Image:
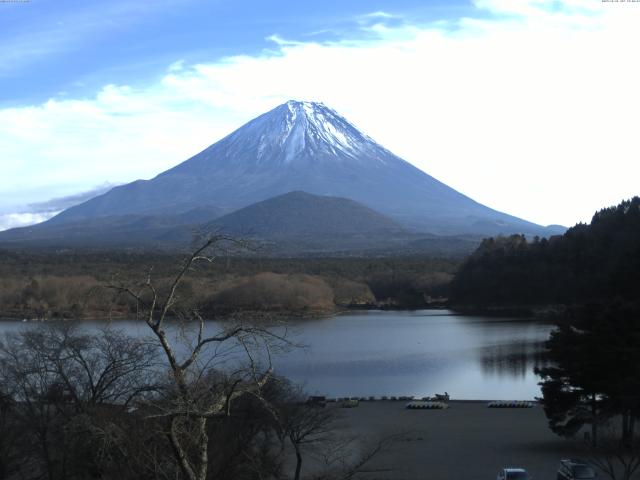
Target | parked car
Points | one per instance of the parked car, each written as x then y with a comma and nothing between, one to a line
575,470
513,474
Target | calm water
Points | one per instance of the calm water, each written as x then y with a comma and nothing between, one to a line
404,353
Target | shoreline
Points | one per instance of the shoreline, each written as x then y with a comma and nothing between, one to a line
403,399
539,313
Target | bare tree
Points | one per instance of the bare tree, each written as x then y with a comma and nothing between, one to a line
195,396
10,458
313,430
617,458
304,424
59,378
348,457
185,402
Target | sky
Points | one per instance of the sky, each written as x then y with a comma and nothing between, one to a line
527,106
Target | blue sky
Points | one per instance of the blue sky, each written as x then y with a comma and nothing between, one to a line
528,106
72,48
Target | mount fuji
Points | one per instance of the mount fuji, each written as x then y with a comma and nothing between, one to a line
298,147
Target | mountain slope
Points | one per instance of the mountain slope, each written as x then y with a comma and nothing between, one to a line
299,223
293,224
127,230
300,213
303,146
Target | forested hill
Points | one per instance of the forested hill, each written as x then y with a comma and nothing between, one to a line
595,262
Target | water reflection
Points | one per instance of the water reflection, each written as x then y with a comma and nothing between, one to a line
516,360
402,353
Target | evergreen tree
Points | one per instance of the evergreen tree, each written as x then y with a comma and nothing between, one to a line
595,370
600,261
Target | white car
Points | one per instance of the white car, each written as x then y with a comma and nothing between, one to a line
513,474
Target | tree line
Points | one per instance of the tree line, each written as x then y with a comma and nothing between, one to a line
67,284
598,261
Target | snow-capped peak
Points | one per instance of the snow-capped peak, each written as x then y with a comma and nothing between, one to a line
298,133
313,127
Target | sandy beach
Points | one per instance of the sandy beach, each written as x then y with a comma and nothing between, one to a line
466,441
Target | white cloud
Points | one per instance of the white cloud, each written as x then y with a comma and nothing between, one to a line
380,14
61,203
14,220
21,215
531,111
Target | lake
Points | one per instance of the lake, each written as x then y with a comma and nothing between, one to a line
403,353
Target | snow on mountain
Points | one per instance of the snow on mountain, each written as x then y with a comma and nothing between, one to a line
316,128
295,132
303,146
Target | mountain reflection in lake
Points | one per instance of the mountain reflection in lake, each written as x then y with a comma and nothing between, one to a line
405,353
